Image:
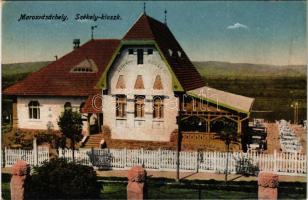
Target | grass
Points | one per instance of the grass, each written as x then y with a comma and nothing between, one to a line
5,186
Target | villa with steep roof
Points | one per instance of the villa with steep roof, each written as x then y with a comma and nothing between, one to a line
138,88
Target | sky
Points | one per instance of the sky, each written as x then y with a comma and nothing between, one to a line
264,32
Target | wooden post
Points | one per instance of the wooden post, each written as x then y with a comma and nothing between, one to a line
142,157
275,161
197,162
35,152
159,159
208,126
125,157
5,157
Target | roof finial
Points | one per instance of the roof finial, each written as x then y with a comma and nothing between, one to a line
165,16
144,8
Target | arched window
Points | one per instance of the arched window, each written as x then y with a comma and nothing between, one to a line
158,107
68,106
34,110
121,106
139,106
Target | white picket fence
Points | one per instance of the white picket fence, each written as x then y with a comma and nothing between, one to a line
30,156
35,156
165,160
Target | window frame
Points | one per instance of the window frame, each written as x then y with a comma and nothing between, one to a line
32,108
139,106
158,107
121,106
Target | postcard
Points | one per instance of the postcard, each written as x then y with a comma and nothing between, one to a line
154,99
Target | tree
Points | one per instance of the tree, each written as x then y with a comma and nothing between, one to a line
70,124
226,132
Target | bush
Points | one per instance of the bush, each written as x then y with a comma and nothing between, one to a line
59,179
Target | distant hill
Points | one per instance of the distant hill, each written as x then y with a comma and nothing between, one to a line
21,68
207,69
11,73
216,69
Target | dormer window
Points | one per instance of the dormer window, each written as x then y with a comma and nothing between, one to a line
150,51
85,66
179,54
130,51
170,52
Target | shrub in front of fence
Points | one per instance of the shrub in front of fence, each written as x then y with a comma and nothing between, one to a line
245,166
59,179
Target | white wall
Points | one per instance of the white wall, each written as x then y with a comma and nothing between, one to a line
147,128
50,110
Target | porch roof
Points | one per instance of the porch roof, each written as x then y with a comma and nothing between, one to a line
225,99
93,104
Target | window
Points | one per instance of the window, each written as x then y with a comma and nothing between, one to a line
85,66
83,69
150,51
179,54
139,106
67,106
121,106
170,52
158,107
34,110
130,51
139,56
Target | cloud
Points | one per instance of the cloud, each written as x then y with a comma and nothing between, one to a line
237,26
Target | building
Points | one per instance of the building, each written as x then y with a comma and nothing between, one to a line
135,87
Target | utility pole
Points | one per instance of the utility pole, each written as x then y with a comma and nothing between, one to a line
178,146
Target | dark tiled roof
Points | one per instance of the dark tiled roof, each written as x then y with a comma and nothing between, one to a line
56,78
147,28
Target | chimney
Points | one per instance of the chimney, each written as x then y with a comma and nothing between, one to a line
76,43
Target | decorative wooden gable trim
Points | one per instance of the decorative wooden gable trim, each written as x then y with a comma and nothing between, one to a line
157,83
139,83
121,82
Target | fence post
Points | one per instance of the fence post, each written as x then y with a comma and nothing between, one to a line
5,157
35,153
142,158
159,159
197,161
125,157
275,161
215,163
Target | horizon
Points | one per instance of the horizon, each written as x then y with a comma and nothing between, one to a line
193,61
236,32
